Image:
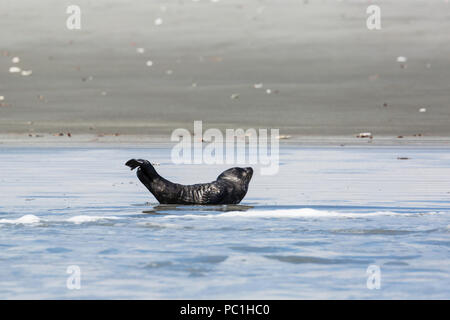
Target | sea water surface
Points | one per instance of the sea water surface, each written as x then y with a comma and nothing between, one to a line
310,231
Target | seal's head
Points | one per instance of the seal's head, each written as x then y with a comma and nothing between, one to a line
237,176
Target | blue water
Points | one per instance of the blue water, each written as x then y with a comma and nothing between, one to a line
310,231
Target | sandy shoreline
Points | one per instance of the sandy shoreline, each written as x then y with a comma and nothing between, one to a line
307,68
111,140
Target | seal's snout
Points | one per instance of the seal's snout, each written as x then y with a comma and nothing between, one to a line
249,171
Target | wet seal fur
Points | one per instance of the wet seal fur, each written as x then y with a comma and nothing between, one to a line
230,187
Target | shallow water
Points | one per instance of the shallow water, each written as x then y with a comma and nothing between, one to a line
311,231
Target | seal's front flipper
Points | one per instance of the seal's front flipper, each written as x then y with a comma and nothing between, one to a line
133,163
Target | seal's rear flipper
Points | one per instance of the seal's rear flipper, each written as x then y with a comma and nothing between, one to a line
133,163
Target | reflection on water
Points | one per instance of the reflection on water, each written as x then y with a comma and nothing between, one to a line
162,209
304,233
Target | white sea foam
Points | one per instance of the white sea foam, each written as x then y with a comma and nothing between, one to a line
295,213
29,219
83,219
26,219
160,225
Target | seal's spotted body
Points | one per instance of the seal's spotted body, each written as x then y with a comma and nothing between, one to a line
229,188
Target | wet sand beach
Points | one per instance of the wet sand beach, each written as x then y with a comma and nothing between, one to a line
310,68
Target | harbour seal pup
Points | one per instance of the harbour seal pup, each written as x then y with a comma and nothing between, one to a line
230,186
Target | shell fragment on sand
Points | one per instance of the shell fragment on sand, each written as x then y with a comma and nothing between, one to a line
402,59
14,70
158,21
26,73
364,135
149,63
423,110
15,60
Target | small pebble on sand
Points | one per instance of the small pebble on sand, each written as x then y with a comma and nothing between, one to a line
268,91
15,60
158,22
234,96
2,98
26,73
149,63
14,70
258,85
364,135
402,59
423,110
140,50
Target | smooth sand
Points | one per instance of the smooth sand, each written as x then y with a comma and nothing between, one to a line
328,74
